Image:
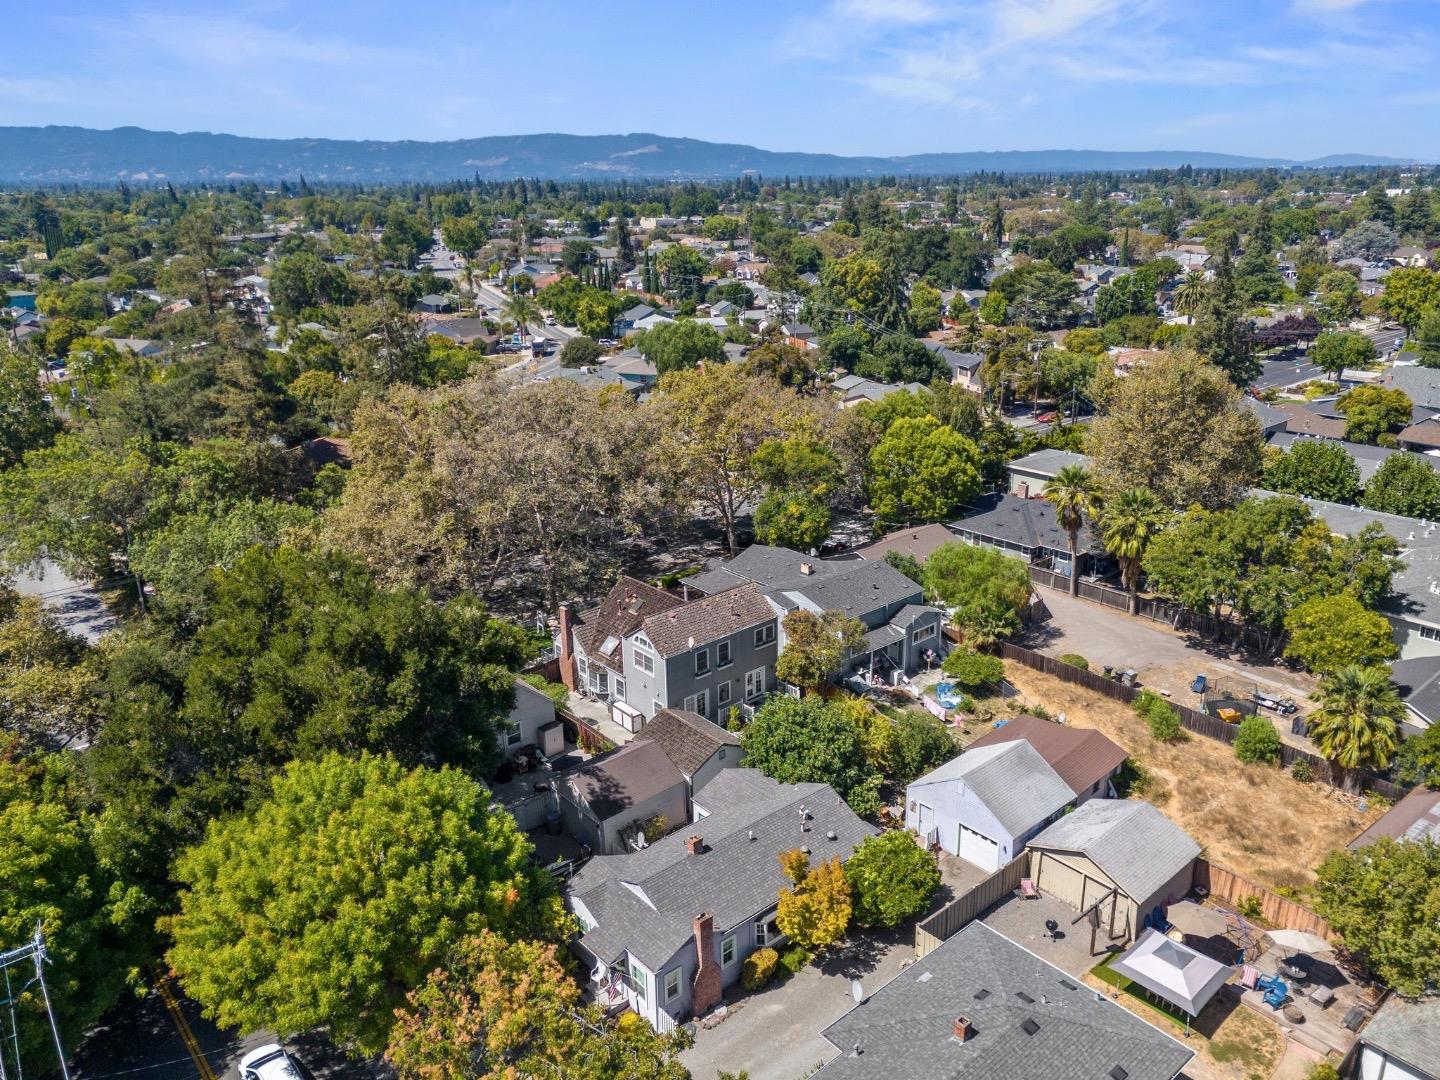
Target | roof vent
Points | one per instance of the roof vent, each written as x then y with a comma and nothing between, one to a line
1068,985
752,834
1024,997
1029,1027
830,835
1118,1073
806,850
982,994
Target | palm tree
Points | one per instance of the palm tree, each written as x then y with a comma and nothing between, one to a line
1129,523
1073,494
521,309
1190,295
1357,723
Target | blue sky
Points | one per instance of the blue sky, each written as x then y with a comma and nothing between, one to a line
1292,78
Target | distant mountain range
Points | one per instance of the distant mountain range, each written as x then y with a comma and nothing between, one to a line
47,155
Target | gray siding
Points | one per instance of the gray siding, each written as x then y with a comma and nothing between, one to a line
745,656
642,689
532,711
684,960
604,836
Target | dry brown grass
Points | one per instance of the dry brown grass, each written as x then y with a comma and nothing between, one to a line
1252,819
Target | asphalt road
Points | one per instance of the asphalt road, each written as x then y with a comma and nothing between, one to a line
77,605
1275,374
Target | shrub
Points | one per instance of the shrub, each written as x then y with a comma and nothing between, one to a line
973,671
1258,741
758,968
1302,771
794,958
1323,1070
1249,907
1075,660
1159,715
891,878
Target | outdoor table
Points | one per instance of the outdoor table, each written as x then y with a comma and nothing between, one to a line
1322,996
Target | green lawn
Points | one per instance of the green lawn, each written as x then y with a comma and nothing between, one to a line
1113,978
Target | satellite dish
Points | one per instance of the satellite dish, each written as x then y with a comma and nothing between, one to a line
857,991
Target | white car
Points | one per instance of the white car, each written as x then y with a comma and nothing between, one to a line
273,1062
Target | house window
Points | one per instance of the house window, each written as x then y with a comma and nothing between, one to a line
925,633
764,635
702,661
657,706
582,668
754,683
643,660
1430,633
672,985
619,687
699,703
727,951
722,693
637,981
722,654
765,931
512,734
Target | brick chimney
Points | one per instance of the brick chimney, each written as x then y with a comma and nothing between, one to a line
567,647
694,845
705,990
962,1028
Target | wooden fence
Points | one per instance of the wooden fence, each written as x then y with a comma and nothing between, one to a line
969,906
1231,889
1192,720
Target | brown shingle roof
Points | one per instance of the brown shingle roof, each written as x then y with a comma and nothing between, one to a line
620,614
919,542
613,784
708,619
1081,757
1304,422
688,739
1417,813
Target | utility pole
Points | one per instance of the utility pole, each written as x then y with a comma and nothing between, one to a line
33,951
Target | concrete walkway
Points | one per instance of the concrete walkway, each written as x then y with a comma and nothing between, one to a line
597,715
78,606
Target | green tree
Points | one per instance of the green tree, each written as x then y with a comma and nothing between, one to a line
580,352
984,588
50,876
1428,345
816,646
1129,522
1373,411
26,419
1382,902
1258,741
804,741
1190,295
679,346
1411,293
800,476
499,1008
1328,633
1176,426
891,878
1222,333
922,471
1357,723
973,671
302,281
336,896
1316,469
684,271
1333,353
1369,240
925,307
1074,496
1338,296
898,358
1418,760
1037,295
1405,484
917,743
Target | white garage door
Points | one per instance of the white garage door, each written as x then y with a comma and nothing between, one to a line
979,849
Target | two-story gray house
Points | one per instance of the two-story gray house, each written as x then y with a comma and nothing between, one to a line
644,650
666,929
903,633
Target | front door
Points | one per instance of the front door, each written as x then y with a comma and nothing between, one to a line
599,681
926,821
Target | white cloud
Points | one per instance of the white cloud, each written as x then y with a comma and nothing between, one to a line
893,12
1325,7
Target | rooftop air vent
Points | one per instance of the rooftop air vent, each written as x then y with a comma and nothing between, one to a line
981,995
1030,1027
1024,997
1118,1073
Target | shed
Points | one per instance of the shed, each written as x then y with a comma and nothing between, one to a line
1121,856
603,801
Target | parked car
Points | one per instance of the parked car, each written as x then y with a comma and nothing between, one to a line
273,1062
1047,418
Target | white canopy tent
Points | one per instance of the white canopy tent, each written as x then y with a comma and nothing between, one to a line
1173,972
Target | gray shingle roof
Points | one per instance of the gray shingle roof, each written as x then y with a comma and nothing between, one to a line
1408,1031
1418,680
1029,523
760,563
1134,843
1047,463
611,785
1367,458
856,588
1064,1031
688,739
1014,782
707,619
1422,385
735,877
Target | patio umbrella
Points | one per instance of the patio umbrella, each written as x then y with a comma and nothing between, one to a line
1299,940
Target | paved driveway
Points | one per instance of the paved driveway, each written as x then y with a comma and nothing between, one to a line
775,1034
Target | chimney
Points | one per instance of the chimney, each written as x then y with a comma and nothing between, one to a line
806,568
694,845
705,989
962,1028
567,647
